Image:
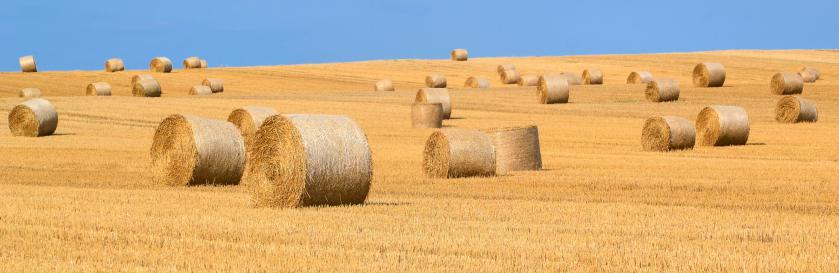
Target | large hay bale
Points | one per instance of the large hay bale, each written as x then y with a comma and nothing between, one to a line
592,76
137,78
793,109
811,72
516,149
476,82
528,80
786,83
573,79
160,64
435,81
662,89
248,119
147,88
509,76
460,55
217,85
667,133
192,62
114,65
384,85
722,125
98,89
200,90
203,63
309,160
639,77
708,75
427,115
455,152
190,150
553,89
27,64
33,118
30,93
436,95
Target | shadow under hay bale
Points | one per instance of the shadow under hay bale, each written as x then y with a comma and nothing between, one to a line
639,77
455,152
708,75
161,65
33,118
553,89
426,115
667,133
722,125
662,90
436,95
794,109
516,149
98,89
786,83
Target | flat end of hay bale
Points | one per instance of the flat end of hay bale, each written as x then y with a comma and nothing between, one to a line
516,148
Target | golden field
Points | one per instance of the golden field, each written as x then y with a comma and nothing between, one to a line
83,199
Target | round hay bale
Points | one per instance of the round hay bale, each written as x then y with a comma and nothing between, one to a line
190,150
509,76
639,77
592,76
667,133
811,71
248,119
309,160
30,93
476,82
427,115
662,89
436,95
786,83
137,78
98,89
217,85
708,75
160,64
192,62
200,90
455,152
33,118
722,125
27,64
503,67
460,55
793,109
435,81
573,79
553,89
528,80
384,85
146,88
203,63
516,149
114,65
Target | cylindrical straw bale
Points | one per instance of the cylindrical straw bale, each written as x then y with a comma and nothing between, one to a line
460,54
573,79
137,78
792,109
662,89
553,89
98,89
639,77
309,160
516,149
476,82
161,64
192,62
384,85
27,64
708,75
436,95
503,67
786,83
427,115
592,76
509,76
667,133
203,63
722,125
147,88
30,93
200,90
248,119
33,118
114,65
811,72
528,80
217,85
455,152
435,81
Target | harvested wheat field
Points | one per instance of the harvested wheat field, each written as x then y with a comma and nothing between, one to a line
84,198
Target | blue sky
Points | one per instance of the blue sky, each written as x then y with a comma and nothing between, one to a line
81,35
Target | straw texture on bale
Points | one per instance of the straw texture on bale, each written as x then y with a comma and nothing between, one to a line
27,64
516,149
553,89
810,74
192,62
114,65
98,89
503,67
573,79
528,80
786,83
509,76
30,93
435,81
476,82
708,75
147,88
793,109
455,152
662,89
667,133
217,85
592,76
33,118
384,85
309,160
137,78
248,119
427,115
161,64
460,55
638,77
722,125
190,150
436,95
200,90
203,63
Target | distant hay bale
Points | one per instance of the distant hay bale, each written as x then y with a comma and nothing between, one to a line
460,55
248,119
502,67
161,64
98,89
27,64
217,85
436,95
476,82
639,77
510,76
137,78
427,115
435,81
309,160
528,80
516,149
573,79
203,63
809,74
786,83
553,89
30,93
33,118
146,88
708,75
200,90
667,133
384,85
592,76
192,62
189,150
793,109
662,89
114,65
722,125
455,152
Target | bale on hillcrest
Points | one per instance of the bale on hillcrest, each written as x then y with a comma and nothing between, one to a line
786,83
114,65
427,115
384,85
793,109
708,75
553,89
161,64
516,149
455,152
460,55
33,118
27,64
192,62
722,125
667,133
203,63
98,89
436,95
638,77
435,81
662,89
592,76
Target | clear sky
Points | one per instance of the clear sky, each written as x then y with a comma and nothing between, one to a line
81,35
